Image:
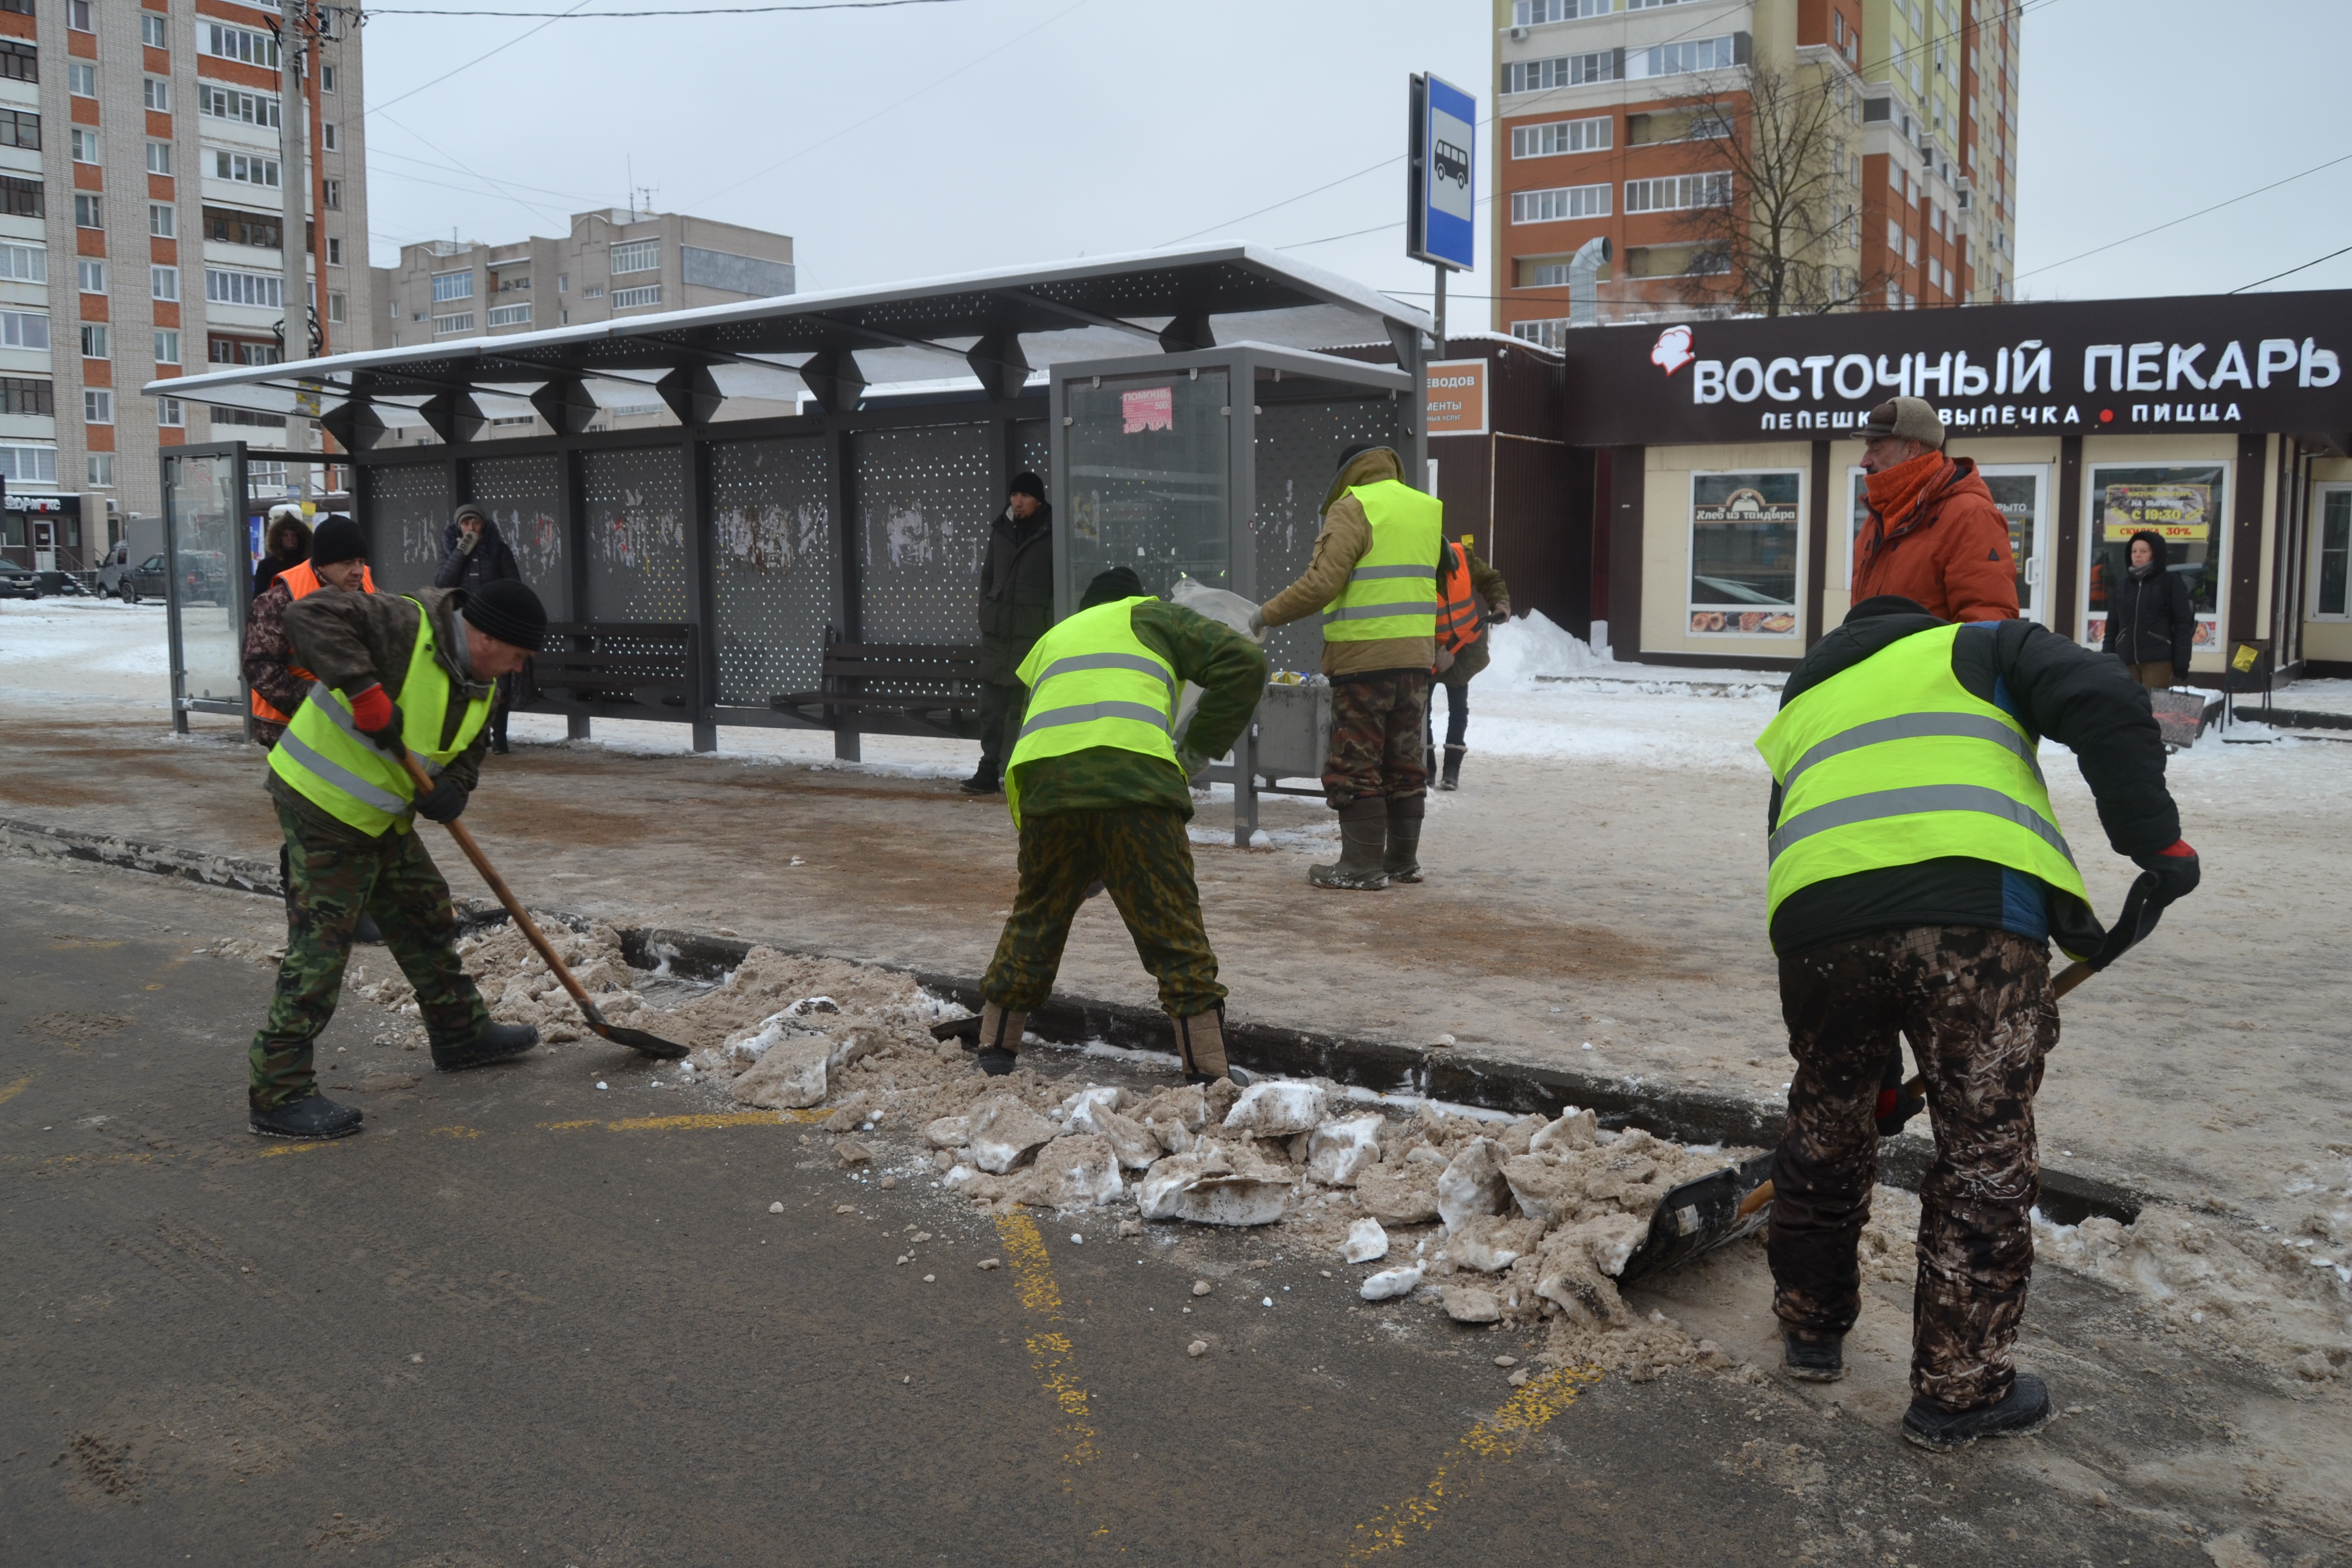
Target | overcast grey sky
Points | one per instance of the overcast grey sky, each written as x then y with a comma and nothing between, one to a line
938,138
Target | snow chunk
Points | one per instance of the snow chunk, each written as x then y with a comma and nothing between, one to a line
1338,1152
1004,1132
1367,1242
1472,1185
1272,1109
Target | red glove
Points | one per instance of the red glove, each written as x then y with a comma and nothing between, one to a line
378,718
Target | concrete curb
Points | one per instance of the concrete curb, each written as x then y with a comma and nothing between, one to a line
1684,1112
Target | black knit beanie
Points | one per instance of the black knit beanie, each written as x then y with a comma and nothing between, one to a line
1027,485
508,611
338,538
1112,586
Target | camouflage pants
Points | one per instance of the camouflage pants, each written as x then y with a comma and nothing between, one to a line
1378,737
335,876
1144,861
1977,1008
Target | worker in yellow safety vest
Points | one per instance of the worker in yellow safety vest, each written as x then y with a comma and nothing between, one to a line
394,675
1098,785
1374,578
1917,874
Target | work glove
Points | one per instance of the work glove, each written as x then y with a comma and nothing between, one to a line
465,542
1445,660
445,802
1257,623
1193,763
2174,870
1501,611
378,717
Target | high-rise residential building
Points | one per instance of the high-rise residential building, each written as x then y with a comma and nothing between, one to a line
1764,156
141,196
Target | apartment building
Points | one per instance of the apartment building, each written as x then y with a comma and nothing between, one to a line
613,264
1643,122
141,205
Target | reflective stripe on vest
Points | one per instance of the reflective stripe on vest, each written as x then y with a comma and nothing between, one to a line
324,756
301,579
1392,591
1093,682
1894,761
1457,611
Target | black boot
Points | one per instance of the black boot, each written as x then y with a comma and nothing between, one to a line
2025,1410
366,930
1001,1030
1813,1360
1452,777
495,1042
1402,858
311,1117
1363,842
981,783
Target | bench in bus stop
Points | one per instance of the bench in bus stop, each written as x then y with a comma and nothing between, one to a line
889,689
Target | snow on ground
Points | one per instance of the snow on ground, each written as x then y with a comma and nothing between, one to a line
85,651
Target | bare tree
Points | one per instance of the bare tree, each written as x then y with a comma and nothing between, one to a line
1782,198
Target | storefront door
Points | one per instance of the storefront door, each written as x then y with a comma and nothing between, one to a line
2021,490
45,545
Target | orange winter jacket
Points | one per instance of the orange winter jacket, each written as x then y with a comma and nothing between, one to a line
1935,537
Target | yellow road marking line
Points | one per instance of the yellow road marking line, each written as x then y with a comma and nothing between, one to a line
16,1088
272,1154
1049,1350
453,1132
717,1119
1495,1440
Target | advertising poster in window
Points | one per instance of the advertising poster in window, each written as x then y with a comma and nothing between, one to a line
2182,505
1744,533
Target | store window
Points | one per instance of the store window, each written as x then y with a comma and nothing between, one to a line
2333,598
2181,502
1745,530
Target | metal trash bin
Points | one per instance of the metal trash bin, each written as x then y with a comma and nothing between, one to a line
1293,731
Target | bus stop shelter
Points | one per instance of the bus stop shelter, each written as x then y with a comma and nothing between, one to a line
733,565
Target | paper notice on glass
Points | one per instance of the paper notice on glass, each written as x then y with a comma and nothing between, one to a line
1148,408
2175,511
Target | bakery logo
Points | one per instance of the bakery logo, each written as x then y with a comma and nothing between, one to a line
1746,505
1673,350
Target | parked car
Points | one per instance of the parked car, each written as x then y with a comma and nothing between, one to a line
204,577
18,582
131,582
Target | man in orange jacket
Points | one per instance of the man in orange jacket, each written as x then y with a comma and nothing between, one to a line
1934,536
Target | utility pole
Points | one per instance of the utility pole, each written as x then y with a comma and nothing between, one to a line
294,187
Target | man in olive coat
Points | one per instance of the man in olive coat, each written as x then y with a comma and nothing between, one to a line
1016,605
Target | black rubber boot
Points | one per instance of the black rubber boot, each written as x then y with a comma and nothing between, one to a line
1452,777
1401,860
1363,843
496,1043
1813,1360
2024,1413
982,783
312,1118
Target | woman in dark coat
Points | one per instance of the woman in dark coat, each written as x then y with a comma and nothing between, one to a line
2150,625
473,555
288,544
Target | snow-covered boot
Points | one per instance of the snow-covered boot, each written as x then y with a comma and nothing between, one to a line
1363,841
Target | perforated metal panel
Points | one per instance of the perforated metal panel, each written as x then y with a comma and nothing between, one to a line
777,573
407,505
1033,448
926,498
634,504
1299,440
523,497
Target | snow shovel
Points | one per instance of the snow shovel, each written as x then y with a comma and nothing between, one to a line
1709,1211
636,1039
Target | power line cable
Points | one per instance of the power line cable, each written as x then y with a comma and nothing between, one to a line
2172,222
574,14
2292,270
477,60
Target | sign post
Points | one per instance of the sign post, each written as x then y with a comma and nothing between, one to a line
1442,204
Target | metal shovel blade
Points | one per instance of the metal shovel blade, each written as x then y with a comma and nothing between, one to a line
1698,1217
636,1039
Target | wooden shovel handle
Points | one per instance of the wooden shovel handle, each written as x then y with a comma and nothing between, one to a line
498,885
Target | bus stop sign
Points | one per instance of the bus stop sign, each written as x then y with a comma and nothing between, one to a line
1440,219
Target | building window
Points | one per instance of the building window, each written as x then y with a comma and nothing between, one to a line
91,275
628,299
163,220
228,103
159,157
154,31
89,211
1561,71
81,78
461,321
84,143
227,226
24,330
1560,136
20,128
29,465
245,168
98,405
24,263
1677,193
334,190
447,286
167,346
511,315
23,395
99,466
564,282
595,291
163,282
93,341
1536,13
1744,533
1565,202
327,136
636,255
2334,599
224,286
1550,334
334,251
327,79
19,62
78,16
240,44
157,94
170,414
20,197
338,308
2186,506
1685,58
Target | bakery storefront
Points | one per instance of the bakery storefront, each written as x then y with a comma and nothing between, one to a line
1725,495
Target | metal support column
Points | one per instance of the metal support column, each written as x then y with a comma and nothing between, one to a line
701,574
844,489
574,520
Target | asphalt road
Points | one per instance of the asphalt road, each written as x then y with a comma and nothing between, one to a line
521,1321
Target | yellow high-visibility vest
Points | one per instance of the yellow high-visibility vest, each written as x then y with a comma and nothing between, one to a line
1093,682
1392,591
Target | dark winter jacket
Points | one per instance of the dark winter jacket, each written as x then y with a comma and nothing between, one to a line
2052,687
295,534
2149,619
1016,593
490,560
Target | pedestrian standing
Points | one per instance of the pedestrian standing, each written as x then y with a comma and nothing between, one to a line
1470,594
1935,535
1016,605
1917,874
392,675
2150,625
1374,576
474,555
286,544
1099,789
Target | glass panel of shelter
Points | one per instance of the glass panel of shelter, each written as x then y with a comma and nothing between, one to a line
1149,463
209,577
2184,503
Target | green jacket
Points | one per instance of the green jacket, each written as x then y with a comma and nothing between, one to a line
1230,670
353,641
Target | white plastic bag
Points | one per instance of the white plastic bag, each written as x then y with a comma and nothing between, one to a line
1225,609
